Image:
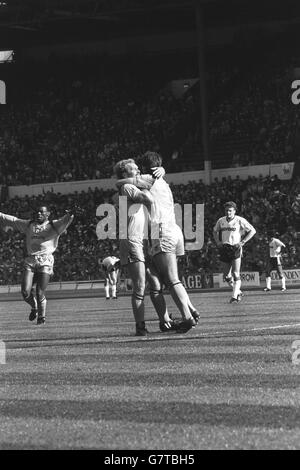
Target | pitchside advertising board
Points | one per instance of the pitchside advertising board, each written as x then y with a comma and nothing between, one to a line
249,279
292,277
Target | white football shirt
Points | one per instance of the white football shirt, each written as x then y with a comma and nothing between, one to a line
232,231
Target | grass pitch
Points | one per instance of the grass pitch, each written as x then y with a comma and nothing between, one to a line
84,381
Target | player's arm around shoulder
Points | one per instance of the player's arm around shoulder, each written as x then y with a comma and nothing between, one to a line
137,195
140,181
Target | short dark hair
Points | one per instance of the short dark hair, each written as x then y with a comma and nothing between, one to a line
230,204
150,160
120,167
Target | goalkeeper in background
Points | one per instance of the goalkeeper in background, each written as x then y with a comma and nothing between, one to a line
42,237
231,232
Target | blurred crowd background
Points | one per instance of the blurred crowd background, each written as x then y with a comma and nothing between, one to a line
73,119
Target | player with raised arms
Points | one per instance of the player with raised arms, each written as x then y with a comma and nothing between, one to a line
42,237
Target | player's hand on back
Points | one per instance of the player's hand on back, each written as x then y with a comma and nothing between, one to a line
158,172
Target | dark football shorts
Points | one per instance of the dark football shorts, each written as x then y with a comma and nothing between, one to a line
229,253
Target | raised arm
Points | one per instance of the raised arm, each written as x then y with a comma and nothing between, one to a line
63,223
13,222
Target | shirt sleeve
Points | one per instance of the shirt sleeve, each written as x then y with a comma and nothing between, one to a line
217,226
13,222
63,223
130,191
279,243
245,225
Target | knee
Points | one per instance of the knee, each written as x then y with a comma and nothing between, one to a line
236,276
139,288
40,294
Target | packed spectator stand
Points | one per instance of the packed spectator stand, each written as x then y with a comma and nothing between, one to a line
265,202
77,121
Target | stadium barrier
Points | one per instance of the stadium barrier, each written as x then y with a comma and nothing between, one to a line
284,171
191,281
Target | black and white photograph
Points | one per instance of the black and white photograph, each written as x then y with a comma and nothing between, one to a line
150,227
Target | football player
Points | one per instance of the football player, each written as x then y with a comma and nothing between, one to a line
42,237
111,267
231,232
274,263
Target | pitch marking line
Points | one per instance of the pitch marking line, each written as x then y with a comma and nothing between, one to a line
176,336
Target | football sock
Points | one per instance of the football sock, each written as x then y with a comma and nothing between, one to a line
180,298
160,306
268,282
42,307
138,307
283,282
31,300
106,288
114,290
236,288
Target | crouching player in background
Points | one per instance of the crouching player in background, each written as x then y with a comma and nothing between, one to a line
42,237
231,232
111,267
274,263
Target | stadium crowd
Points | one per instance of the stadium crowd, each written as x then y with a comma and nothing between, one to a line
265,202
86,116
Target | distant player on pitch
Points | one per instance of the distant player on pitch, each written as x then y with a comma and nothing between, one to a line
111,267
231,232
274,263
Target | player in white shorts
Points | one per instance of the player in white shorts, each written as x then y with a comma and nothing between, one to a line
166,244
231,232
42,237
132,243
274,263
111,266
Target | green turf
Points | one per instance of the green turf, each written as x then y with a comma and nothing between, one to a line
84,380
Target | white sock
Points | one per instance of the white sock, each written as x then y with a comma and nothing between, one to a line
42,307
268,282
114,290
106,288
236,288
283,282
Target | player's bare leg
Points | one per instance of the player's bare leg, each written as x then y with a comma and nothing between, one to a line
158,300
268,278
106,288
236,267
281,277
28,293
114,278
137,273
41,286
166,265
